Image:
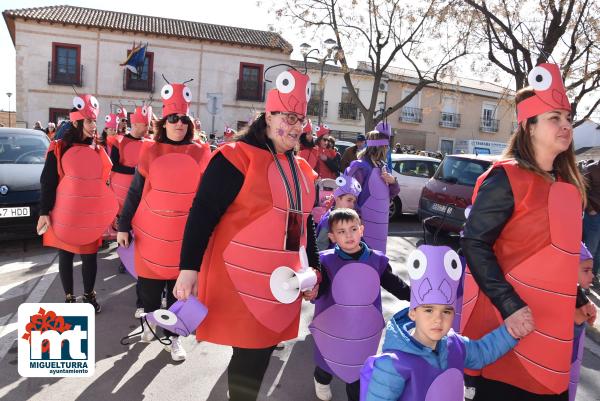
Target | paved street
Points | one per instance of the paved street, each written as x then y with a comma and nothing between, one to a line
144,371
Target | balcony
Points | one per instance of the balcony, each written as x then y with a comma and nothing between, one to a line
313,108
348,111
250,91
489,125
449,120
411,115
138,85
55,78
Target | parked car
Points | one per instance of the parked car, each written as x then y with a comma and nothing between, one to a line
412,173
342,146
450,191
22,156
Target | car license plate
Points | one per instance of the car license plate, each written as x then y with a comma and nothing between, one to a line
441,208
10,212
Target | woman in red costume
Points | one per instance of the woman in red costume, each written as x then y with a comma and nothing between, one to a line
308,148
250,215
76,206
521,242
158,202
327,164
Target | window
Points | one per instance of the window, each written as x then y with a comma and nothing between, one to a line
22,149
58,115
446,146
348,109
416,168
461,171
144,80
250,82
449,117
65,66
411,111
489,123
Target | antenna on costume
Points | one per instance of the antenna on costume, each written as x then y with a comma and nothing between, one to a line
278,65
166,80
189,80
74,90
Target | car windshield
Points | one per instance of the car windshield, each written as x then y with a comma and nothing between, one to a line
415,168
455,170
22,149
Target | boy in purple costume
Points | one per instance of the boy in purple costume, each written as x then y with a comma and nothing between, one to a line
345,196
378,186
348,319
423,358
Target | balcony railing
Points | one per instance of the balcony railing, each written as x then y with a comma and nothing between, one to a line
348,111
313,108
411,115
252,94
489,125
449,120
139,85
55,78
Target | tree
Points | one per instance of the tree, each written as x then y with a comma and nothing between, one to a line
519,35
417,35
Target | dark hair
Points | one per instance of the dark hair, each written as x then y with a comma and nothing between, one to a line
342,215
255,132
160,131
304,140
520,148
74,133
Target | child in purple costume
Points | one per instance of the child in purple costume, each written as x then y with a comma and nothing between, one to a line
348,319
423,358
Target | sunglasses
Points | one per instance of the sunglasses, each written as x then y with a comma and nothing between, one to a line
174,118
291,118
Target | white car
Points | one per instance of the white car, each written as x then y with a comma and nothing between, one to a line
412,172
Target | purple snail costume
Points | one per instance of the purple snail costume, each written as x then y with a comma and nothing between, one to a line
182,318
343,345
420,373
374,200
345,185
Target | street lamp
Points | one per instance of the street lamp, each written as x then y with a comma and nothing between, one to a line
9,94
330,47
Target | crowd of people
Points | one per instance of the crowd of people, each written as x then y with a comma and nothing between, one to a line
214,226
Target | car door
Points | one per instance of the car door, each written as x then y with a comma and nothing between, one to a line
412,176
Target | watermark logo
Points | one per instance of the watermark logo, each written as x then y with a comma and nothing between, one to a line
56,340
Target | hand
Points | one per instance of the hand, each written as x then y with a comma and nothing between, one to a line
43,224
311,294
590,313
520,323
123,239
186,284
388,178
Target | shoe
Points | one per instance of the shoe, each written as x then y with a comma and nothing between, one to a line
138,313
70,299
91,299
323,391
147,335
176,348
280,346
121,268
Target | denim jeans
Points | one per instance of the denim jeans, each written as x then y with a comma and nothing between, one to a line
591,237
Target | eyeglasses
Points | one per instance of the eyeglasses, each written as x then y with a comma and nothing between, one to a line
174,118
291,118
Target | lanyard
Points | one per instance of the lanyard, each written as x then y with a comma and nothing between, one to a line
295,203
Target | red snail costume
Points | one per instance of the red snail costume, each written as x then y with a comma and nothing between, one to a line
534,234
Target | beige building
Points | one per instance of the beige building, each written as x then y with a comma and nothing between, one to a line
439,116
58,47
8,118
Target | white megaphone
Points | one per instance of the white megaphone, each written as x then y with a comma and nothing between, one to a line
287,284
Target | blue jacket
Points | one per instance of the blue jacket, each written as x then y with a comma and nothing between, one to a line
387,384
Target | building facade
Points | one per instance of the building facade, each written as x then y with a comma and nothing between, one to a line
63,49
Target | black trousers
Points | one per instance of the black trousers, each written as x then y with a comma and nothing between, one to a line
88,270
150,293
352,389
246,371
491,390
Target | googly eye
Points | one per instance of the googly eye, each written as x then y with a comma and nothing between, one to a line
107,119
416,264
340,181
165,317
94,102
144,111
187,94
539,78
166,92
317,129
325,126
119,110
78,103
358,186
452,265
308,90
285,82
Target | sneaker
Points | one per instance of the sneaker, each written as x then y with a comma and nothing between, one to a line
176,348
138,313
147,335
323,391
70,299
91,299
